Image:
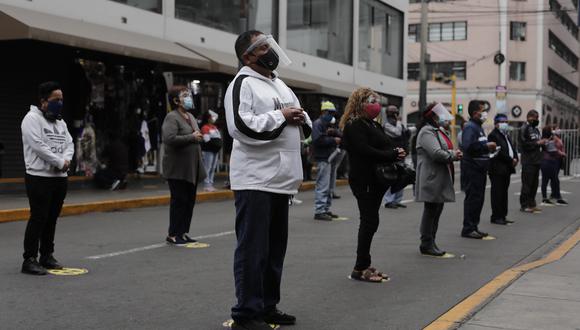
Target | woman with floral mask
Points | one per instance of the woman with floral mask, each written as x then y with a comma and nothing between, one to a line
368,146
182,165
435,173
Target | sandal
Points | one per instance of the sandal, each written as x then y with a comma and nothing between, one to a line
366,276
379,273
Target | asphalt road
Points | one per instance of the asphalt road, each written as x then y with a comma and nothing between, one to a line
137,282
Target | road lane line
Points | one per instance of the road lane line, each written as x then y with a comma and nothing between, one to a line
154,246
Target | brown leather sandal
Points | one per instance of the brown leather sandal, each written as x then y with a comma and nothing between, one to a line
366,276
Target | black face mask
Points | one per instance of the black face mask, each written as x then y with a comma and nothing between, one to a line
534,123
268,61
53,110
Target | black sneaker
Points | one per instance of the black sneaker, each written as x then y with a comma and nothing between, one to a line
482,233
188,239
561,202
332,215
32,267
391,206
277,317
177,240
335,196
323,217
50,262
251,325
499,222
547,202
431,252
474,234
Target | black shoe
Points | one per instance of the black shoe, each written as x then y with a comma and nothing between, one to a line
332,215
499,222
561,202
474,234
188,239
277,317
335,196
251,325
32,267
177,240
50,262
403,206
323,217
431,252
391,206
482,233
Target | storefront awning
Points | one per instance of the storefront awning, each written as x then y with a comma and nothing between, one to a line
19,23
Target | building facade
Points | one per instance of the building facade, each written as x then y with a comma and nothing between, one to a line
537,38
116,59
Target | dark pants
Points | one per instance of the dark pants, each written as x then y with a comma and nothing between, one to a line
369,199
475,180
530,179
430,223
45,196
550,170
462,182
262,233
183,194
499,196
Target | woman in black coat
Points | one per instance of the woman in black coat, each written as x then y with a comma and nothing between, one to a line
368,146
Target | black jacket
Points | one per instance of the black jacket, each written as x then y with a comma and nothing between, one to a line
323,143
474,143
531,150
502,163
367,145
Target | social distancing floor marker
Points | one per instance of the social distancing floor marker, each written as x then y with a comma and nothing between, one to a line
447,255
488,238
341,219
68,271
196,245
384,280
229,323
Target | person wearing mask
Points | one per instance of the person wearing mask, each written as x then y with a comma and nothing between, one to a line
476,150
399,136
212,144
435,173
266,121
368,147
48,151
551,163
501,167
530,142
325,140
182,165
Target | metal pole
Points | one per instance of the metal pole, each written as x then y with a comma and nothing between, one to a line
453,107
422,62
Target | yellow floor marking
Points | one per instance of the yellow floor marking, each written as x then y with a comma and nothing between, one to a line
460,312
68,271
229,323
196,245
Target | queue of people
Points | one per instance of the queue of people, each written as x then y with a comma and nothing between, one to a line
268,126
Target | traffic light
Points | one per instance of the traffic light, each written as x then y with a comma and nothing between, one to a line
460,109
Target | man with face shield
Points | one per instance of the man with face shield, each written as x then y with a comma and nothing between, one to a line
475,164
266,122
435,173
48,150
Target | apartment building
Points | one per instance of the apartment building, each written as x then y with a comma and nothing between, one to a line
537,38
116,58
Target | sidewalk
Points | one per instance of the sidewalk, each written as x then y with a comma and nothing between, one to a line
547,297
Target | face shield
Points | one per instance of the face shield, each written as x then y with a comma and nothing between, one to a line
268,41
442,112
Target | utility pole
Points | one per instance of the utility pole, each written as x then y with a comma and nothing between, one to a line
453,107
423,60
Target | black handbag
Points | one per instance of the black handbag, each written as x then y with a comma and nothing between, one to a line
386,174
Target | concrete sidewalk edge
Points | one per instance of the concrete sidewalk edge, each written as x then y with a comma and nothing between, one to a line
122,204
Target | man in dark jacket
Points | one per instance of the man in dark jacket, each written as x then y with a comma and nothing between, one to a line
531,147
399,136
475,164
501,167
325,140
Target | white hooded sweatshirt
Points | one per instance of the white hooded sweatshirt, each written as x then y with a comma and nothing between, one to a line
266,151
46,144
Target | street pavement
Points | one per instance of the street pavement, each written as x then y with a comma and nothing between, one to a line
137,282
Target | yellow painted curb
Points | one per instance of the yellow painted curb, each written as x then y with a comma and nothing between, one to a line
113,205
460,312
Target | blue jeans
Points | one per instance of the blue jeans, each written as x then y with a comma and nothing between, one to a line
322,191
393,198
210,160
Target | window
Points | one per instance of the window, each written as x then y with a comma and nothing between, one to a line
562,84
380,38
565,19
518,31
414,32
435,68
562,50
321,28
150,5
448,31
230,16
518,71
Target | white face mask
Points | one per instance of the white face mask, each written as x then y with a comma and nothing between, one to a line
503,127
483,116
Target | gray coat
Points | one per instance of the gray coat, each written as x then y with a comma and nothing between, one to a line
182,157
434,183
